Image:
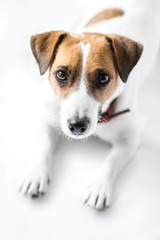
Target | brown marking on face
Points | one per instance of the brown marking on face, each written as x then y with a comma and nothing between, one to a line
100,60
104,15
126,54
68,59
44,47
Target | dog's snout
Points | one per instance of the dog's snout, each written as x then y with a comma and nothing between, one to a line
78,126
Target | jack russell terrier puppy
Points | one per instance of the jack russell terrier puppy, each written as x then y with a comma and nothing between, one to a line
94,78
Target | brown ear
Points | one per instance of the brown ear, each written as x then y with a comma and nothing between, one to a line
44,47
126,54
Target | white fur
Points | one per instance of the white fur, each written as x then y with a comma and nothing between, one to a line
139,23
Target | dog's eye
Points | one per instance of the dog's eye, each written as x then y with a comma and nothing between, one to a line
61,76
103,78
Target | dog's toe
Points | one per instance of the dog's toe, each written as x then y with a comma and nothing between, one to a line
101,202
33,190
92,200
24,187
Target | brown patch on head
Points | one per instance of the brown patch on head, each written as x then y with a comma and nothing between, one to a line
109,54
104,15
126,54
68,59
44,47
100,60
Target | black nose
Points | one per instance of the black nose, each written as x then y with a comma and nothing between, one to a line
78,126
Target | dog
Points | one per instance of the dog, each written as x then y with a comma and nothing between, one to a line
95,75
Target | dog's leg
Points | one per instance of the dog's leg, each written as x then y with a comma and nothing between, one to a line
37,180
99,192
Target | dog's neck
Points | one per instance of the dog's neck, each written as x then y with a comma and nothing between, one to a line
110,112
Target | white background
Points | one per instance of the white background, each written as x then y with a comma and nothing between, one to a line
61,214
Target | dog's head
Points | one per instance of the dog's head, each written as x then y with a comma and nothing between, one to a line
86,71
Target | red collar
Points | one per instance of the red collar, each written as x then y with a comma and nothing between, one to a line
110,113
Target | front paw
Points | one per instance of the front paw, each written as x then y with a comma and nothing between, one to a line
35,183
99,192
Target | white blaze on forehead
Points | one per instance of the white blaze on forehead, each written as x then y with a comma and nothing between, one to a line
85,51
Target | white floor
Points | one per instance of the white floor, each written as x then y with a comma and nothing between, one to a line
61,214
